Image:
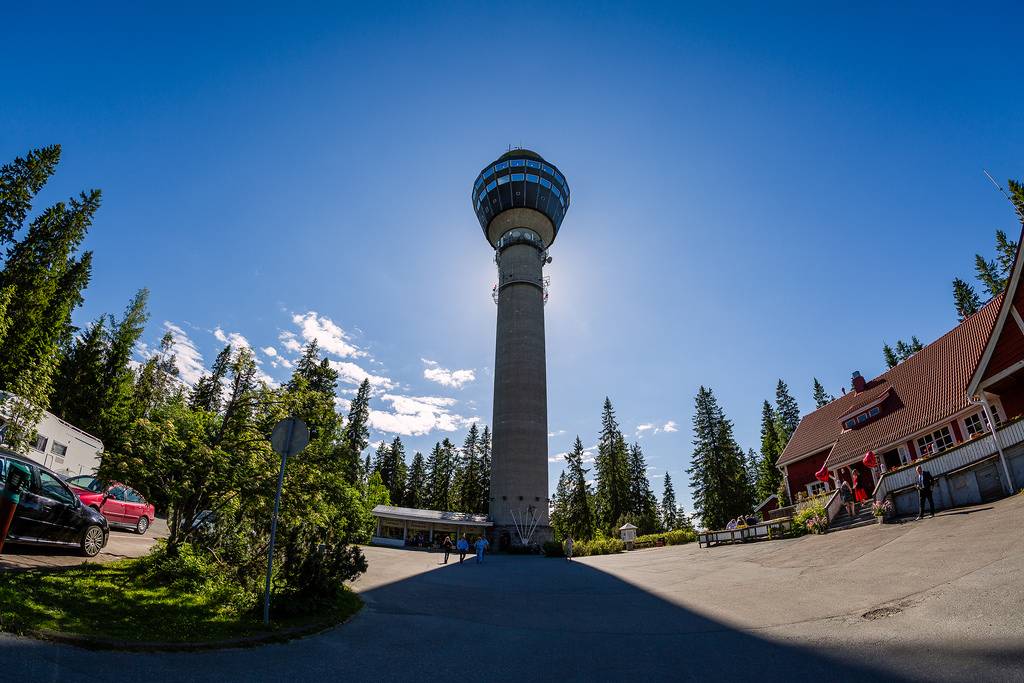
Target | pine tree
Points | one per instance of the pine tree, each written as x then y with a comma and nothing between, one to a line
768,475
821,397
416,493
469,477
317,372
1006,252
485,470
787,414
80,377
380,458
988,274
611,472
42,277
717,474
965,299
643,506
891,360
669,513
440,475
208,392
393,471
355,435
578,516
559,506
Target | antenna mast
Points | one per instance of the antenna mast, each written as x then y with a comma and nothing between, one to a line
1016,209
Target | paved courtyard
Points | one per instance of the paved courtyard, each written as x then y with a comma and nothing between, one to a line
940,599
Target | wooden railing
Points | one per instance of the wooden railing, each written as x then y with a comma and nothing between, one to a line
834,505
953,459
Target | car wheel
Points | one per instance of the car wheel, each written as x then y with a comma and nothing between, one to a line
92,541
142,525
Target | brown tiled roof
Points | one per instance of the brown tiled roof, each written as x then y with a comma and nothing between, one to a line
927,388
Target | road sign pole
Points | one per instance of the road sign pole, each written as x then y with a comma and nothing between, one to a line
273,521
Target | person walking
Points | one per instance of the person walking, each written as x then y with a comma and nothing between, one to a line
463,547
859,494
481,545
924,491
568,548
446,544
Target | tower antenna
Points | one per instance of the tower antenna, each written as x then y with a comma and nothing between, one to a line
1016,208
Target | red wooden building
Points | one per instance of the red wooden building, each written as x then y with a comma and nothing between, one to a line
936,405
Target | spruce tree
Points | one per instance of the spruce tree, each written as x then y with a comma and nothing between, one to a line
891,360
208,392
394,471
416,493
559,505
965,299
768,475
356,433
611,472
717,474
988,274
80,377
669,517
469,478
578,516
643,506
317,372
116,392
157,384
821,397
483,505
20,181
787,414
440,473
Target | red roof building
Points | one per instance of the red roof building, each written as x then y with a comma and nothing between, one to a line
930,405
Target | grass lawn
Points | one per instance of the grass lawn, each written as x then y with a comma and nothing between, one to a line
113,601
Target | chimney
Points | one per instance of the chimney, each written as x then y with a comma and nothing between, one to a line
859,384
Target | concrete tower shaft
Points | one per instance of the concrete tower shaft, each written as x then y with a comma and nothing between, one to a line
519,464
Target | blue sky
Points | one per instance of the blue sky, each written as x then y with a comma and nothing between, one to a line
755,194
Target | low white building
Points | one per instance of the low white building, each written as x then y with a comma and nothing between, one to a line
59,445
397,526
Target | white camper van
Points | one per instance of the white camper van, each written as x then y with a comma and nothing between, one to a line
59,445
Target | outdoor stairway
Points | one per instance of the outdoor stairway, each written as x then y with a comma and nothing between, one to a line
863,517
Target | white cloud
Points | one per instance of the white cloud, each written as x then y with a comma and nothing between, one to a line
234,338
269,351
186,355
670,426
644,427
554,434
418,415
353,374
327,334
290,342
557,457
445,377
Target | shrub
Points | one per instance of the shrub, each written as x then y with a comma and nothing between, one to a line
810,517
882,508
674,537
598,546
553,549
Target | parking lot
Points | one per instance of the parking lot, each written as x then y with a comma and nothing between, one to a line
122,545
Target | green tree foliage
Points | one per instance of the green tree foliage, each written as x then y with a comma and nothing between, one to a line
356,435
965,299
208,392
902,351
612,495
393,470
471,478
787,414
41,282
417,495
670,512
768,475
717,474
821,397
485,468
573,513
643,506
157,383
441,475
80,379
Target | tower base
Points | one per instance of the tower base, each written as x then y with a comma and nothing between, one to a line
506,537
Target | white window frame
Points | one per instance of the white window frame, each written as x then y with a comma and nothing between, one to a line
931,435
816,487
974,418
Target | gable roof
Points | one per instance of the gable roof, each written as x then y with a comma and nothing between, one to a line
924,390
985,371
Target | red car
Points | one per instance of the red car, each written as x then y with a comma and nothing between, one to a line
121,505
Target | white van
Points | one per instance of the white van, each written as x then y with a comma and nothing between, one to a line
59,445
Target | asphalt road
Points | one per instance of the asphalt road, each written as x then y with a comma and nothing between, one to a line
121,545
941,599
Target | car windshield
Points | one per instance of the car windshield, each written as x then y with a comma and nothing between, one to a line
86,482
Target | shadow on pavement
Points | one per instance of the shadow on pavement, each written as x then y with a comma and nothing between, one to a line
516,618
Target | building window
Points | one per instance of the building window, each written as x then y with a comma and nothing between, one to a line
862,418
936,442
974,425
503,180
501,167
545,182
516,162
40,444
489,172
59,449
995,415
850,424
532,178
491,185
518,177
815,488
391,530
874,411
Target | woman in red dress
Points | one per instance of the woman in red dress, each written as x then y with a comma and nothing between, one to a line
859,494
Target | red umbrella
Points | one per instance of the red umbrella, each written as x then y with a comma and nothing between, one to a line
870,459
822,474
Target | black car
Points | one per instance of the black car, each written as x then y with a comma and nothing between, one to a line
50,514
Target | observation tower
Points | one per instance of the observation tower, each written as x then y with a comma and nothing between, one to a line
520,200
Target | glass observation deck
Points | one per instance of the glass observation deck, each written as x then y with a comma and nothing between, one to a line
520,179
